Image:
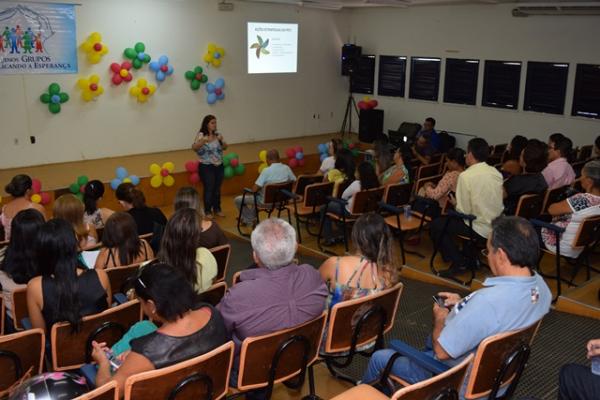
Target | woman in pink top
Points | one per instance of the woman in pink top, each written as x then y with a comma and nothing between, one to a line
455,164
20,188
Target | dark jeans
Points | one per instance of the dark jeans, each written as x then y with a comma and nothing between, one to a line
335,208
447,244
576,382
212,178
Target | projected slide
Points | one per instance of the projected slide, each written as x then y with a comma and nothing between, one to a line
272,48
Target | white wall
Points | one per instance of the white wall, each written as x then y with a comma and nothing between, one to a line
481,32
256,107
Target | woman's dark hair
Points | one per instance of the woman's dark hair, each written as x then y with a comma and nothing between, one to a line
517,237
187,197
374,240
19,185
517,144
19,261
167,288
128,193
120,232
94,190
384,156
56,256
336,145
535,156
205,122
344,161
458,155
367,176
180,241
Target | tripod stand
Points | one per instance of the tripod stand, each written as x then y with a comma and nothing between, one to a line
350,105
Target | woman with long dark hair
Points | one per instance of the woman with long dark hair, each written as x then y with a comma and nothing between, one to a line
209,146
65,291
21,189
134,202
94,190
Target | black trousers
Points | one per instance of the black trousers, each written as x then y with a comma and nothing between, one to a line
212,178
447,242
576,382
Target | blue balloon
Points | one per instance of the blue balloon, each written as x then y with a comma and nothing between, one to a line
114,184
55,99
211,98
135,180
160,76
210,88
323,156
170,70
220,83
221,96
121,173
141,56
299,155
216,55
162,60
323,148
154,66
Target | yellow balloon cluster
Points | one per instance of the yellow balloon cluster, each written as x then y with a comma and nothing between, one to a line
94,48
262,156
142,90
214,54
90,87
162,175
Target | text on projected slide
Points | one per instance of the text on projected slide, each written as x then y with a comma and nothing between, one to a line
272,48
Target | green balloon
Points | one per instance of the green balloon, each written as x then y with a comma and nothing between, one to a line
195,84
54,108
198,70
54,88
130,53
232,156
82,180
74,188
204,79
228,172
226,162
63,97
146,58
240,169
189,75
79,196
355,152
45,98
137,64
140,47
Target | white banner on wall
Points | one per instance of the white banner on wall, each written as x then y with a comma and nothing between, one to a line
37,38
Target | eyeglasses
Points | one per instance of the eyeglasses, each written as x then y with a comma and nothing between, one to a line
485,252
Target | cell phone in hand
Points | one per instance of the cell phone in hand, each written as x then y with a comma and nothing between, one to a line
451,194
114,361
440,300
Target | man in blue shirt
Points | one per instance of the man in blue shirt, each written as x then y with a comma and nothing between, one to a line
515,298
429,130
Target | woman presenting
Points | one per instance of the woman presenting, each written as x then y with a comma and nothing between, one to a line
209,146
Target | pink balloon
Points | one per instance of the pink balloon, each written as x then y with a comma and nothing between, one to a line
301,162
373,103
116,79
293,162
234,162
362,105
290,153
194,177
45,198
164,172
82,189
191,166
351,146
36,185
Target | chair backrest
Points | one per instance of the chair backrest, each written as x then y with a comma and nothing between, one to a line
315,194
552,196
529,206
3,311
398,194
342,186
202,377
588,233
360,319
108,391
430,388
71,349
577,167
367,200
491,357
499,148
421,182
119,277
214,294
20,311
273,193
280,355
425,171
18,353
585,152
436,158
303,181
221,254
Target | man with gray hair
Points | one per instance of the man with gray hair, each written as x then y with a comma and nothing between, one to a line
279,294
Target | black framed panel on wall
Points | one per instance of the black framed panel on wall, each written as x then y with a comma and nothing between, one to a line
586,98
363,78
392,76
424,78
460,83
501,82
546,87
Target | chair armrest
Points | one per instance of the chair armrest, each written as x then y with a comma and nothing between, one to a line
120,298
336,200
468,217
390,208
26,323
542,224
289,194
248,190
425,361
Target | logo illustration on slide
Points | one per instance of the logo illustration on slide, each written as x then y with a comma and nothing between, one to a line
260,46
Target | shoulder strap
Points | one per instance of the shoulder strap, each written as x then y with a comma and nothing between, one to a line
111,256
358,266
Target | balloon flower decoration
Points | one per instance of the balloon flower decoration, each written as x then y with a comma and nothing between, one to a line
323,151
54,98
353,147
215,91
262,156
367,103
124,177
295,156
38,196
196,77
232,165
78,187
192,168
214,54
161,68
162,175
121,72
90,87
94,48
137,55
142,90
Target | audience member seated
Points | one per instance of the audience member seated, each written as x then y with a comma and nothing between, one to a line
66,290
19,265
343,170
70,208
578,382
122,245
367,179
422,150
328,163
179,248
20,188
187,329
478,193
94,190
455,165
531,181
279,294
429,130
134,202
392,168
211,234
515,298
512,164
570,212
276,172
559,172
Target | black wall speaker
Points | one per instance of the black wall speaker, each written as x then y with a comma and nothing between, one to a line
370,125
350,55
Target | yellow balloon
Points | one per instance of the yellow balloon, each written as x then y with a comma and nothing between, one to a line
212,47
156,180
94,58
169,181
86,46
262,156
123,73
95,37
169,166
221,51
100,90
36,198
104,50
142,83
126,180
94,78
216,62
152,89
155,169
208,57
142,98
366,99
261,167
135,91
87,95
82,83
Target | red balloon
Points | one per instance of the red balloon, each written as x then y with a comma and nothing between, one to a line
191,166
93,87
301,162
373,103
45,198
116,68
234,162
164,172
362,105
128,78
146,91
126,65
36,185
194,177
116,79
198,76
98,46
351,146
290,153
164,68
293,163
82,189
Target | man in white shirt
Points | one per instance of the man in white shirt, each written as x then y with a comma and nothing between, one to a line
478,193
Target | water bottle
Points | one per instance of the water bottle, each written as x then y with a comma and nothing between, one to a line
407,213
596,365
